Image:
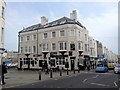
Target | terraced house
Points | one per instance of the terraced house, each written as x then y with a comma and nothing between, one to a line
57,42
2,26
65,39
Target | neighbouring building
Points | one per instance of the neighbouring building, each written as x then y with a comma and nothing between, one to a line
2,27
100,51
2,22
93,50
63,40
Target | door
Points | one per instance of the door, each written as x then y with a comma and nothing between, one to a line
21,63
72,64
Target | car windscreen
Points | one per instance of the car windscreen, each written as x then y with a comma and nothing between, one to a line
118,65
100,65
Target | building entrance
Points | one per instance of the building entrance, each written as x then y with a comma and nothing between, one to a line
72,59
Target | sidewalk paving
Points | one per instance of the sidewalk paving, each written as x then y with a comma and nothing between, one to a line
18,78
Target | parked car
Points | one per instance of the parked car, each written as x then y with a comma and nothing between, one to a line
9,63
111,65
101,68
117,69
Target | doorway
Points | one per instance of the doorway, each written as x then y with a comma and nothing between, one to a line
72,64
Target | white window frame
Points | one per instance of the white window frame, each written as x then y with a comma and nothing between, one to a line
29,49
63,45
21,49
26,49
45,47
53,47
72,32
21,39
62,32
52,34
45,35
27,38
34,49
3,12
33,38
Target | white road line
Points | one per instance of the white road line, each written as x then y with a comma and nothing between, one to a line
96,76
55,79
84,80
115,84
99,84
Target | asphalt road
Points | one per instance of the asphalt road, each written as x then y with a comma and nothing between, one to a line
84,80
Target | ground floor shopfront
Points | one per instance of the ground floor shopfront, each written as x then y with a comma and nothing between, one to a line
54,60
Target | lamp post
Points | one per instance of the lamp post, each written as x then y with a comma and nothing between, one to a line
27,54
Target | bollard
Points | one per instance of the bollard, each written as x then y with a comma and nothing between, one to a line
78,70
67,72
74,71
60,72
51,76
39,74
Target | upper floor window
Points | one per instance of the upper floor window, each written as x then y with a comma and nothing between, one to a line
45,35
79,34
34,37
53,34
2,34
86,47
85,37
45,47
21,49
53,46
72,46
72,32
25,48
3,10
28,38
34,49
63,45
21,39
29,49
62,33
80,45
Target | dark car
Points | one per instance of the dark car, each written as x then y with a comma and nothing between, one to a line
117,69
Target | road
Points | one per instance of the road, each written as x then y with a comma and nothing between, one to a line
83,80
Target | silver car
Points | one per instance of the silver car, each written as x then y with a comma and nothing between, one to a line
117,69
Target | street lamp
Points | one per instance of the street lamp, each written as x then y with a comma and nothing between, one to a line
27,54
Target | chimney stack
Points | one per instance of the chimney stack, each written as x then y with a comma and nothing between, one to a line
73,15
44,20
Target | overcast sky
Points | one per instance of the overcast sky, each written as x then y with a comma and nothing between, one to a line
100,19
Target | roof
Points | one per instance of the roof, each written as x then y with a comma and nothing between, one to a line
61,21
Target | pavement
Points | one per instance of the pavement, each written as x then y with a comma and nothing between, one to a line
84,79
16,77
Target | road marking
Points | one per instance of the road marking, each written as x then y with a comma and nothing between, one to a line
99,84
96,76
115,84
55,79
84,80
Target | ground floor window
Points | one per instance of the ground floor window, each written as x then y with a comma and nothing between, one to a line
61,61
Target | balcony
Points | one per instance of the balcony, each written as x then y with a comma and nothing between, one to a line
62,51
45,52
